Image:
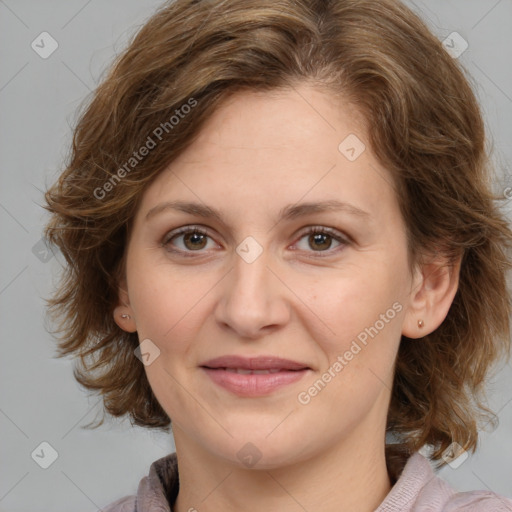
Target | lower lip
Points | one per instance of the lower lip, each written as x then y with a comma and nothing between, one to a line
254,384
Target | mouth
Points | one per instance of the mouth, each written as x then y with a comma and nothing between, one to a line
264,363
244,371
251,377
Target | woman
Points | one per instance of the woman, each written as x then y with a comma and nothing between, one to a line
280,237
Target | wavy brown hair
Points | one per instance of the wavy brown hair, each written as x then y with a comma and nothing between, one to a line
424,125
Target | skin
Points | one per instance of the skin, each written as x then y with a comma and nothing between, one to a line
303,299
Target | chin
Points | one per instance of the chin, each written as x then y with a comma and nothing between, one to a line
254,453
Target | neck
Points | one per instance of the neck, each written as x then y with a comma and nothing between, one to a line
350,476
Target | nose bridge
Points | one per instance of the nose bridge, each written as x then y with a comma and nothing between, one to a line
252,297
250,274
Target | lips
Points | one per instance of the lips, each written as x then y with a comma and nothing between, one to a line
252,377
268,363
243,371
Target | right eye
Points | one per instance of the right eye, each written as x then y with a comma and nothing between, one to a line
191,239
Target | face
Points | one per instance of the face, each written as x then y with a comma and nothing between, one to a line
304,258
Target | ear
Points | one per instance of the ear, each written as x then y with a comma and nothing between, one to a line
123,313
434,287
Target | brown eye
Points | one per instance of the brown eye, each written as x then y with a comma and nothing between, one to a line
320,240
186,240
194,240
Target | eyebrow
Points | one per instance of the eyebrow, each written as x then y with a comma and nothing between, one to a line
289,212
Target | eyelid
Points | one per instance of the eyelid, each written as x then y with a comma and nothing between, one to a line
192,228
335,233
342,238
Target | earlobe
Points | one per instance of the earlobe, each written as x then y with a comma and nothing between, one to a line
124,319
434,289
123,314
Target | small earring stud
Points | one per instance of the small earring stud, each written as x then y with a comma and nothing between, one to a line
125,316
420,323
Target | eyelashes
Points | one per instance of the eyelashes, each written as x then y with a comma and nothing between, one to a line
190,233
319,234
195,241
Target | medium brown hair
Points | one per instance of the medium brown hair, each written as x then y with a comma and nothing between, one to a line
424,125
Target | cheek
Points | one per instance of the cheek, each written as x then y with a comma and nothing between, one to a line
362,304
365,314
168,305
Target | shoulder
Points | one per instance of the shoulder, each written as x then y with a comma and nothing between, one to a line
478,501
126,504
156,491
418,489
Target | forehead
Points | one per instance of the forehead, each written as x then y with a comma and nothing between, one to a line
272,148
291,119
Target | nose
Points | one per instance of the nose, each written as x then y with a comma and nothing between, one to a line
253,300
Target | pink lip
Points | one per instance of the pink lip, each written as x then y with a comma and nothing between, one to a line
252,385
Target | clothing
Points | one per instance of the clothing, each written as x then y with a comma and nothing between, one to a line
416,490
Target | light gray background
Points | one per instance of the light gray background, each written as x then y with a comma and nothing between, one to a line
39,399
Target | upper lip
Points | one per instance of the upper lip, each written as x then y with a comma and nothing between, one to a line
254,363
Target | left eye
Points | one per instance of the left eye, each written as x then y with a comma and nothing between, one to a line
320,239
